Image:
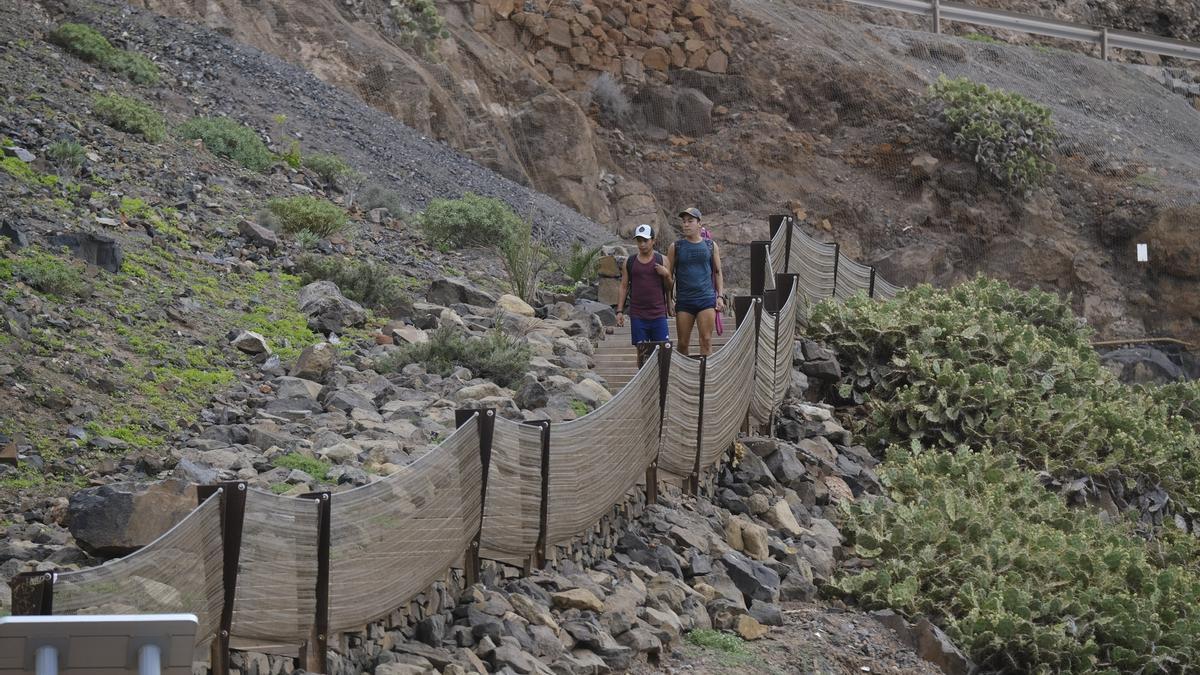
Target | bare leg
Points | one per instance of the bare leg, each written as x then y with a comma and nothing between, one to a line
706,322
683,326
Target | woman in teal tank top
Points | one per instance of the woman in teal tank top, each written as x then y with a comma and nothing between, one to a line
699,285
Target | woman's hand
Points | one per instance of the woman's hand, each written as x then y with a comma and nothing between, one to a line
720,305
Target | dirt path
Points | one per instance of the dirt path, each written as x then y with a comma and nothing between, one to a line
817,639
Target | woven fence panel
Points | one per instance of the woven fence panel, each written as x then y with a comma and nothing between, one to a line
511,511
677,453
597,458
729,376
180,572
393,538
276,597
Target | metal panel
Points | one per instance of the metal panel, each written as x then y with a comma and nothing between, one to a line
1037,25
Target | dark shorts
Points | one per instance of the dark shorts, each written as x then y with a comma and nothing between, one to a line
648,330
695,308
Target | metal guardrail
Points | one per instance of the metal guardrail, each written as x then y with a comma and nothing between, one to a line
1107,39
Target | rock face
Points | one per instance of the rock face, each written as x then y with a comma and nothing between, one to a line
327,309
120,518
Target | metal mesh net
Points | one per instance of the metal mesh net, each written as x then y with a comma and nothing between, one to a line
511,511
597,458
393,538
276,597
180,572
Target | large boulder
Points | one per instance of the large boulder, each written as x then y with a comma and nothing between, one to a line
314,362
455,290
120,518
755,580
329,311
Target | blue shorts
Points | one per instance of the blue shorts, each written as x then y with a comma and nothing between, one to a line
648,330
695,308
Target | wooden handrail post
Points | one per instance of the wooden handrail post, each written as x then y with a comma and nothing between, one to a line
539,552
664,380
314,654
233,513
837,259
33,593
487,427
694,480
759,255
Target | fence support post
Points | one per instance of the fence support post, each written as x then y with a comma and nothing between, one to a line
539,552
758,266
784,283
837,259
937,17
871,291
664,376
32,594
487,426
755,304
314,654
233,512
1104,50
694,480
790,224
742,304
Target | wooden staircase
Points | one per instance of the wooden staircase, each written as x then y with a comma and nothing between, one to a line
616,359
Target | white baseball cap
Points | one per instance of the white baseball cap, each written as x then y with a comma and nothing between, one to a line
643,231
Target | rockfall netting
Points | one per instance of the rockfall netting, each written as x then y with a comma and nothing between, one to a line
391,539
729,376
276,596
180,572
514,497
596,459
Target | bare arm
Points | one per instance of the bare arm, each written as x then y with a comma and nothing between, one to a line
622,293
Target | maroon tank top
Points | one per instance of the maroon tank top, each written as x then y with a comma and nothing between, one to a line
646,289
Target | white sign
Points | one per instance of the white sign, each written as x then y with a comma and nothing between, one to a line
1142,253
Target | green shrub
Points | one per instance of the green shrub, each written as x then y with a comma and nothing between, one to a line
524,259
317,468
306,213
469,221
329,167
581,266
983,363
715,639
497,356
376,196
980,37
1015,577
89,45
228,138
418,23
67,156
130,115
43,271
1005,134
293,157
366,281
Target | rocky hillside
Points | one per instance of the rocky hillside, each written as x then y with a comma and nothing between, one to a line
746,106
